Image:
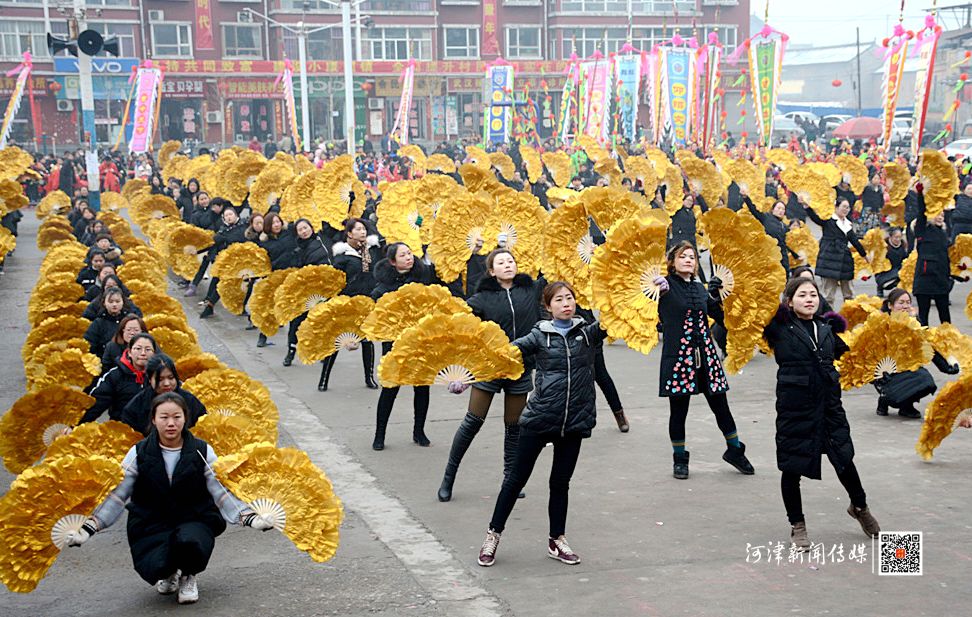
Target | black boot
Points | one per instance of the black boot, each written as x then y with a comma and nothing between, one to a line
737,458
882,408
384,412
207,312
291,352
418,428
465,434
680,469
262,340
368,359
326,365
908,411
511,438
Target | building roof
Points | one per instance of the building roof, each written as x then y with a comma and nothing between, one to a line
836,54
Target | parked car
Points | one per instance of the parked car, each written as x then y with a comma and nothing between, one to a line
783,127
959,147
832,121
900,131
802,115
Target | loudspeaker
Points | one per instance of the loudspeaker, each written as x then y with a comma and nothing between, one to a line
57,44
112,46
90,42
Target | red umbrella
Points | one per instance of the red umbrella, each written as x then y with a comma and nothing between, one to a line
859,128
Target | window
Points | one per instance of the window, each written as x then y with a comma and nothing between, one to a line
395,43
595,6
523,42
321,45
242,41
404,6
586,40
729,35
461,42
109,2
312,5
16,37
171,41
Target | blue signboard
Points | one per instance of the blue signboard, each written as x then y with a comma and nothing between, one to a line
99,65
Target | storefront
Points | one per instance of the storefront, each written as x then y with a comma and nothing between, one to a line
326,104
181,113
111,90
22,130
252,108
388,90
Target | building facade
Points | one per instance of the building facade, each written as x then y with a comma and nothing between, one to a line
221,58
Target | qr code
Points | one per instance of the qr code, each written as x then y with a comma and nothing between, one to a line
899,553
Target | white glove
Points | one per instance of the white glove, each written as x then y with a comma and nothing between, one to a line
457,387
77,538
256,521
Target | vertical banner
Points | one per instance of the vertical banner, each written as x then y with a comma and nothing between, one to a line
927,48
765,67
711,93
597,99
567,101
654,96
203,35
628,82
13,106
399,131
287,77
489,45
147,82
499,110
679,65
893,70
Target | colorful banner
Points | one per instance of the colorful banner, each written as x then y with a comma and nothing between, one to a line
596,102
489,45
710,92
287,78
203,34
678,75
765,67
499,110
13,106
147,83
567,101
927,48
399,131
893,70
654,96
628,68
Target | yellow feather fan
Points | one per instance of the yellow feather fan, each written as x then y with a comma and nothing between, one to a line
56,202
608,205
242,260
414,154
228,434
53,329
858,309
172,322
639,168
152,207
940,182
559,165
782,158
44,504
111,439
35,365
14,162
704,179
440,349
35,419
190,366
402,217
51,236
659,161
804,244
52,296
960,256
885,343
138,286
828,170
478,157
877,255
175,343
812,188
853,171
503,164
674,189
12,196
607,167
340,194
215,174
175,168
401,309
71,367
299,200
897,180
270,184
183,245
622,274
262,301
74,310
305,288
134,187
748,262
151,303
952,345
282,484
459,228
476,178
434,190
145,256
332,326
167,151
440,163
232,294
747,178
521,218
568,249
557,196
233,393
534,164
906,275
951,404
70,250
144,271
240,176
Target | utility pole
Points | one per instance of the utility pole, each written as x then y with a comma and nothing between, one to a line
89,134
859,85
348,80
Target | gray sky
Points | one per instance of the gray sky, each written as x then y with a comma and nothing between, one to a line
833,22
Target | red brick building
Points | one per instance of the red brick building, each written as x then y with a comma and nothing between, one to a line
220,60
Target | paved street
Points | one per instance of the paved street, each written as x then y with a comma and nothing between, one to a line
651,545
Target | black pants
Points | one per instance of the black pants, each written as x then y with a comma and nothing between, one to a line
924,307
679,406
386,400
565,452
792,501
292,330
188,547
201,271
605,382
212,294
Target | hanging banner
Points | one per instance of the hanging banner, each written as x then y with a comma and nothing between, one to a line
710,95
490,45
597,98
677,89
204,25
765,67
399,131
147,83
926,48
13,106
287,78
567,101
893,70
654,96
628,78
499,110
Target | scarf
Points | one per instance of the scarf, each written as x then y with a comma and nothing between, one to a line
139,375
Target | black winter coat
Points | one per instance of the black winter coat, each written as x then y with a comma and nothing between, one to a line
834,261
563,397
389,279
227,235
810,419
872,199
312,252
101,331
687,342
205,218
113,391
109,359
932,270
516,310
95,307
87,277
281,249
775,228
137,413
896,255
848,194
683,224
794,209
358,282
961,217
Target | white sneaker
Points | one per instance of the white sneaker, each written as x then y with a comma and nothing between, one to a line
168,586
188,589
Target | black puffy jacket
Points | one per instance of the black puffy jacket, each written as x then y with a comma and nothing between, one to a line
961,217
113,390
109,359
389,279
834,261
775,228
683,224
358,282
563,398
101,331
282,249
137,413
205,218
312,252
227,235
932,269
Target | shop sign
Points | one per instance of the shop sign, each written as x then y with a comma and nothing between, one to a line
103,88
182,88
99,66
250,88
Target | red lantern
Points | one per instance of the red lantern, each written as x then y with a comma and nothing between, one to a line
54,87
836,83
367,86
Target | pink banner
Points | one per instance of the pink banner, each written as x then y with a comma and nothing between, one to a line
927,48
287,77
893,70
597,103
147,81
15,98
204,25
490,44
399,132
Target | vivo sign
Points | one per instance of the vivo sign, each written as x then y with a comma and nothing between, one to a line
102,66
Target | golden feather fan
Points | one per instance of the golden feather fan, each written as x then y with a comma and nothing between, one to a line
73,310
404,218
829,171
897,180
659,161
183,245
299,200
242,260
138,286
534,164
332,326
557,196
747,178
284,486
876,249
151,303
858,309
43,505
782,158
440,349
559,165
60,264
403,308
333,193
262,301
942,415
74,251
434,190
175,168
270,185
146,257
940,182
608,168
853,171
15,162
167,150
440,163
233,393
153,207
804,244
172,322
305,288
748,262
906,274
175,343
503,164
478,157
111,439
704,179
521,218
143,271
53,329
459,227
885,343
812,188
241,175
568,249
674,189
414,154
35,419
71,367
622,274
52,236
40,355
12,196
134,187
640,168
952,345
608,205
232,294
229,434
52,297
56,202
477,179
960,256
190,366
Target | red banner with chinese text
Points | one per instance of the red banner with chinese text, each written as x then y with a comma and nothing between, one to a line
365,67
490,45
204,25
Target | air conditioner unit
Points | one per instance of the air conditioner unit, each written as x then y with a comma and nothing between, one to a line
156,15
376,104
214,117
65,105
244,17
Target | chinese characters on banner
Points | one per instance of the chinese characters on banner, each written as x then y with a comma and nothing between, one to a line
146,88
628,78
654,96
490,45
765,65
400,131
678,83
928,46
893,70
499,110
597,103
204,25
13,105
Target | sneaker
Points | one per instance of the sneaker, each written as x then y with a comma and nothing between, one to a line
188,589
487,554
558,549
863,516
168,586
799,538
190,291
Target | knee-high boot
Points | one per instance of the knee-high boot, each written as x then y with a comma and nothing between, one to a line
510,440
386,400
418,428
368,359
465,434
326,365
